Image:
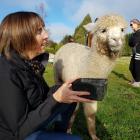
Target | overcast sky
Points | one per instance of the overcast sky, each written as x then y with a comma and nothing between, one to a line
63,16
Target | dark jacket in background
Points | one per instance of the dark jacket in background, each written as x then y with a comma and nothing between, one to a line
134,43
25,99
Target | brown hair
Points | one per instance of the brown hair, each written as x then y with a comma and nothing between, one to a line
135,21
18,32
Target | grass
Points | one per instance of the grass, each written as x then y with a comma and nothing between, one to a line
118,116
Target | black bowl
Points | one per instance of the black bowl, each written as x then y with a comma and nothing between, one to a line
96,86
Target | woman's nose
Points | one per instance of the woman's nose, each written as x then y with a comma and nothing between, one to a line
45,34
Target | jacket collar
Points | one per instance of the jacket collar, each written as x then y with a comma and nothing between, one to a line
20,61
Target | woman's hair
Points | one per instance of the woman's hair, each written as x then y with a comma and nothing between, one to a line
18,32
135,21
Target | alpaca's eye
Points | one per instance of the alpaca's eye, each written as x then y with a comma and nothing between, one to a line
122,29
104,30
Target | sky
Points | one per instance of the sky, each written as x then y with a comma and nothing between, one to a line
63,16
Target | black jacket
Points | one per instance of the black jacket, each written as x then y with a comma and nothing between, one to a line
134,42
134,66
24,99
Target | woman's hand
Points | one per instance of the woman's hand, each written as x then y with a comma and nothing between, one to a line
65,95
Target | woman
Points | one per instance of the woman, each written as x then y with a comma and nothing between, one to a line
134,43
27,104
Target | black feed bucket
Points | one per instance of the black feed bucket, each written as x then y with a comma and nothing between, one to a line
96,86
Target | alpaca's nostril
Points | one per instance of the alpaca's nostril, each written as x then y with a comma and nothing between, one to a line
114,39
117,40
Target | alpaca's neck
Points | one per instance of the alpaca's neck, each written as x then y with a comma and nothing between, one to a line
100,63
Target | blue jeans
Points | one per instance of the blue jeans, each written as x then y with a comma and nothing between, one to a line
42,135
59,119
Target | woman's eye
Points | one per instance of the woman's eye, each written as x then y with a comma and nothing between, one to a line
39,31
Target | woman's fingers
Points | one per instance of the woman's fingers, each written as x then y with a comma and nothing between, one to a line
80,93
65,95
76,98
71,80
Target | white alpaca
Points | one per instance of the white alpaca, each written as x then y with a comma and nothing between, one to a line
75,60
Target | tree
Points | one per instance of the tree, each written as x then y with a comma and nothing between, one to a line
66,39
126,50
80,33
51,47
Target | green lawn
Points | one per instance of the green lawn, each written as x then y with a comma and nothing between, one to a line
118,116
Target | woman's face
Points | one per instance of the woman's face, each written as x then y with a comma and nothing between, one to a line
42,39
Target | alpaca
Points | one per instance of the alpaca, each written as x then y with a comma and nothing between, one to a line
75,60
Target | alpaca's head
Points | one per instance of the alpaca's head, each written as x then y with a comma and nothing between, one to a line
108,33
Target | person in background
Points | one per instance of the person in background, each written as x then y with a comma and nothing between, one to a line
89,34
70,39
28,106
134,43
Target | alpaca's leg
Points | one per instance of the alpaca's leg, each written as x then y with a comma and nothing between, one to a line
72,119
90,112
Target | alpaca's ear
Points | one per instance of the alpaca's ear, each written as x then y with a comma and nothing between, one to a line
89,27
